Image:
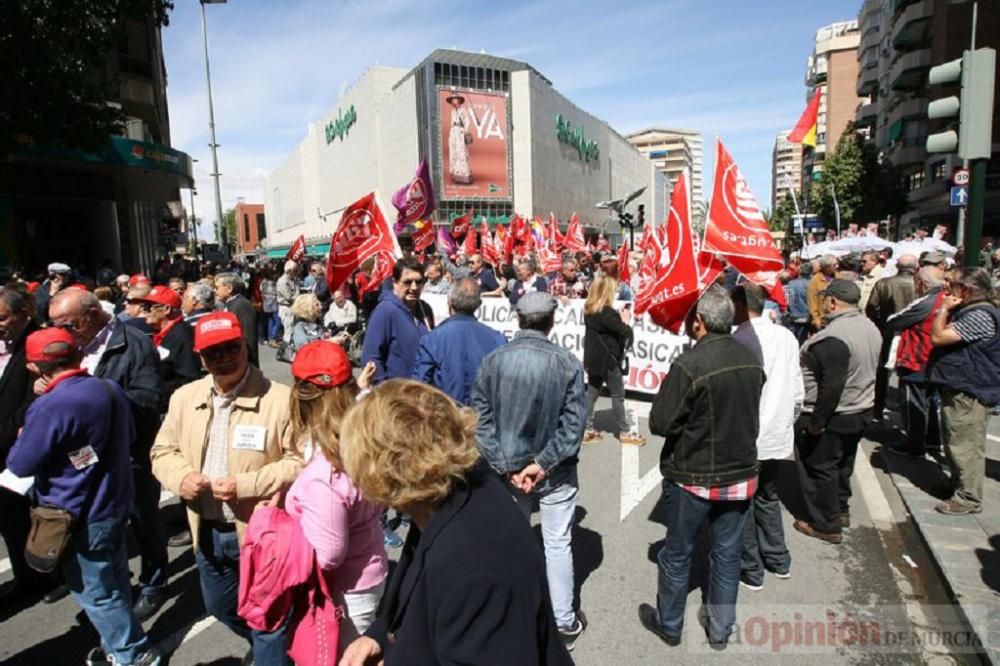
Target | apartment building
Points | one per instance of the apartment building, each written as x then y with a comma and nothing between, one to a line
786,169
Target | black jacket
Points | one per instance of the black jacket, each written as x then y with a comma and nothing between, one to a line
16,393
245,312
181,365
604,341
707,411
471,590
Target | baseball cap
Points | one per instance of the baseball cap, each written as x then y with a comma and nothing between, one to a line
536,302
161,295
932,258
843,290
216,328
79,285
323,363
36,347
59,267
138,278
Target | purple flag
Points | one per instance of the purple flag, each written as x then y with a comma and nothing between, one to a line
414,201
446,242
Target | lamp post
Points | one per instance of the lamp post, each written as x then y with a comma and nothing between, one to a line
221,228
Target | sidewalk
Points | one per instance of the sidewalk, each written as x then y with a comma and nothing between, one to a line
965,548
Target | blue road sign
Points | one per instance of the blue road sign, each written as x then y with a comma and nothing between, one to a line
959,195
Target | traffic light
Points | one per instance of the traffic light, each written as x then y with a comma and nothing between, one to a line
974,109
642,215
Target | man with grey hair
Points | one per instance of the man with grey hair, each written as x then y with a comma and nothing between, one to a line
527,281
449,356
707,411
199,300
229,297
890,295
287,288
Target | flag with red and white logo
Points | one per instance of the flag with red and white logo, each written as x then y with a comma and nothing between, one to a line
624,272
556,239
423,235
574,240
415,200
460,225
297,252
363,233
488,247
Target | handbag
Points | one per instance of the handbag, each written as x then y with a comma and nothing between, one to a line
315,626
52,528
285,353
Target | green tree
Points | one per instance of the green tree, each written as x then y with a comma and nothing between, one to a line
883,192
230,217
843,175
781,218
56,84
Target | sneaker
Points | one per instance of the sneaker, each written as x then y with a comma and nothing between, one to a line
810,531
650,619
783,575
955,508
97,657
570,635
392,540
181,540
147,606
747,583
631,440
592,436
148,658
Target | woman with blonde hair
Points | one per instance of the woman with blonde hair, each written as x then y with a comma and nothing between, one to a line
470,585
606,337
307,327
338,521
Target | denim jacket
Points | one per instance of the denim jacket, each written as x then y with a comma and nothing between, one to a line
532,406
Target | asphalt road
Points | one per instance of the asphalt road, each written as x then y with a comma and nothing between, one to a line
839,606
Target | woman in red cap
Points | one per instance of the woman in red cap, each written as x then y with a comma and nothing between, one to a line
340,524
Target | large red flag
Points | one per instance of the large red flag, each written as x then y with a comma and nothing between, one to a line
736,229
555,238
423,234
549,259
624,272
460,225
297,252
469,246
363,232
668,274
488,248
574,241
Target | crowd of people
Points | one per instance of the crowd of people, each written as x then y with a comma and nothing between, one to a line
114,387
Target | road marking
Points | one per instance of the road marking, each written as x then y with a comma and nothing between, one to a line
871,491
993,437
635,485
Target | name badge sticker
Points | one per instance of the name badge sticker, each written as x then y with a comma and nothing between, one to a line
83,458
249,438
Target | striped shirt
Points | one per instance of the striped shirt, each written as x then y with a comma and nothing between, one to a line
975,325
735,492
216,465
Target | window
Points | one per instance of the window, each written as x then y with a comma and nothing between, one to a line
915,180
938,171
246,228
261,227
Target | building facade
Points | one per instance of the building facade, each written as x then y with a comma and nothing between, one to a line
900,41
786,169
674,151
121,203
498,138
251,228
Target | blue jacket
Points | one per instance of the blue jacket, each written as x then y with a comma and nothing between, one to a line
449,356
72,439
532,407
392,338
795,292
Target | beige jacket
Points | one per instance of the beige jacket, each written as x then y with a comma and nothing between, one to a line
181,444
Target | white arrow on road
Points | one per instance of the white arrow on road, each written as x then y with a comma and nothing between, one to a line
635,485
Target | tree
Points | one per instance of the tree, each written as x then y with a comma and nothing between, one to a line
781,217
883,192
56,85
842,176
230,217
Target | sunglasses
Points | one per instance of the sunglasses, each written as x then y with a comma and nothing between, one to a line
218,352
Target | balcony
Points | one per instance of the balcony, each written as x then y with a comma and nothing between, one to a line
911,27
867,81
870,37
866,114
912,108
910,151
909,71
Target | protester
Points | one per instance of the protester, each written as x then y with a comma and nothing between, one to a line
936,260
527,281
965,366
229,297
707,412
450,356
780,403
342,315
340,524
889,296
532,409
470,585
796,292
607,335
986,256
134,313
483,274
199,300
871,273
173,339
269,328
306,328
838,370
225,444
315,283
287,288
568,283
609,268
828,267
60,277
87,420
436,282
178,285
107,298
122,354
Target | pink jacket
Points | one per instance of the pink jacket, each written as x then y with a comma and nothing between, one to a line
340,524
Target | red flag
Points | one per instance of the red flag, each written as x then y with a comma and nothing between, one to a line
297,252
469,246
384,263
508,244
362,233
736,229
574,241
460,225
603,244
668,274
520,229
423,235
491,254
555,238
624,272
549,259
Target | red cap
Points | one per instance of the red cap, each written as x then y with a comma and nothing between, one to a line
322,363
163,296
37,343
78,285
33,286
216,328
136,279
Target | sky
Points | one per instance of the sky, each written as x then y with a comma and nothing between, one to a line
728,68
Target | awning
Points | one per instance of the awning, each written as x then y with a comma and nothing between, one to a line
895,130
312,249
125,152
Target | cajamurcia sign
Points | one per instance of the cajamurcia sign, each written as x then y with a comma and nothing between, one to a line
588,150
337,129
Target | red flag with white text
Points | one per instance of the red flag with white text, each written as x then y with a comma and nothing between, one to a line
460,225
556,239
297,252
363,232
423,234
469,246
487,246
574,240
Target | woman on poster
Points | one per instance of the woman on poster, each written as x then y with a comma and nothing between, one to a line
459,140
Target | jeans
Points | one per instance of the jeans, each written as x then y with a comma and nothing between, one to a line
686,513
920,417
97,574
273,325
616,387
558,508
764,537
963,426
826,464
218,558
145,524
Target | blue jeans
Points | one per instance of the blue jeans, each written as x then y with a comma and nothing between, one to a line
218,558
273,326
558,508
726,522
97,574
764,536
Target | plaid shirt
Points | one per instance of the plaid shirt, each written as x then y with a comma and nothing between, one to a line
737,491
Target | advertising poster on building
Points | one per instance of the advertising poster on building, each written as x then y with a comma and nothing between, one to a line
653,349
475,144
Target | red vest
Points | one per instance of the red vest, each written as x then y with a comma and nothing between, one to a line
915,342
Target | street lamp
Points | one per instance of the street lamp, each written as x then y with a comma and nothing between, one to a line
221,228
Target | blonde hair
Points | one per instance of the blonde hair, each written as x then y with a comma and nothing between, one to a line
317,414
408,443
601,295
304,307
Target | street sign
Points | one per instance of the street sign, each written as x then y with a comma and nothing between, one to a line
959,196
961,177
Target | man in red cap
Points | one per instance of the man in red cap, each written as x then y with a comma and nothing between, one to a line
173,339
226,444
75,442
